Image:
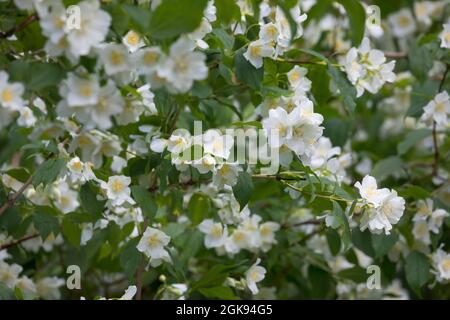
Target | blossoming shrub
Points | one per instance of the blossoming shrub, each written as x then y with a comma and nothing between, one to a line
119,129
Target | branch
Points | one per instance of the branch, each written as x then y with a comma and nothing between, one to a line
395,54
19,27
12,199
16,242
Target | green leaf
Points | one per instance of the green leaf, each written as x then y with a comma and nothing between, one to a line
417,268
227,11
411,139
382,243
139,16
346,89
243,189
36,75
340,215
334,241
20,174
5,292
220,292
387,167
357,16
247,73
130,258
226,39
71,231
45,224
174,17
89,201
363,241
420,60
199,206
421,94
144,199
356,274
48,171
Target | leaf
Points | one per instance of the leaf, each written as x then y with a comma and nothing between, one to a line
420,60
48,171
45,224
226,39
346,89
416,192
20,174
174,17
71,231
363,241
334,241
247,73
357,16
140,17
417,268
243,189
220,292
387,167
36,75
382,243
5,292
346,235
199,206
411,140
89,201
130,258
421,94
227,11
356,274
144,199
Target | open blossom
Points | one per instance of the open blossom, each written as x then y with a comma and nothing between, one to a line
10,93
152,244
226,174
48,287
215,233
385,207
9,273
257,50
114,58
441,263
445,36
133,41
255,274
182,66
402,23
217,144
438,109
117,190
367,69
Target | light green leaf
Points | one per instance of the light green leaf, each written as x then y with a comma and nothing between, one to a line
243,189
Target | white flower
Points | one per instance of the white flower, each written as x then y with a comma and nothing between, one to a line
366,68
80,91
391,210
114,58
423,11
438,109
146,60
217,144
152,244
277,127
117,190
133,41
26,118
421,232
215,233
402,23
254,275
179,141
182,66
437,219
369,191
79,171
147,98
445,36
65,199
210,11
10,93
9,273
94,25
267,234
26,285
226,174
298,81
441,261
268,33
205,164
129,293
118,164
257,50
48,288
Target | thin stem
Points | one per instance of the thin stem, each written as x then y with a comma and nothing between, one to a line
16,242
19,27
12,199
329,197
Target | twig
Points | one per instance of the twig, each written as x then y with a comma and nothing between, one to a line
140,269
395,54
19,27
12,199
16,242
